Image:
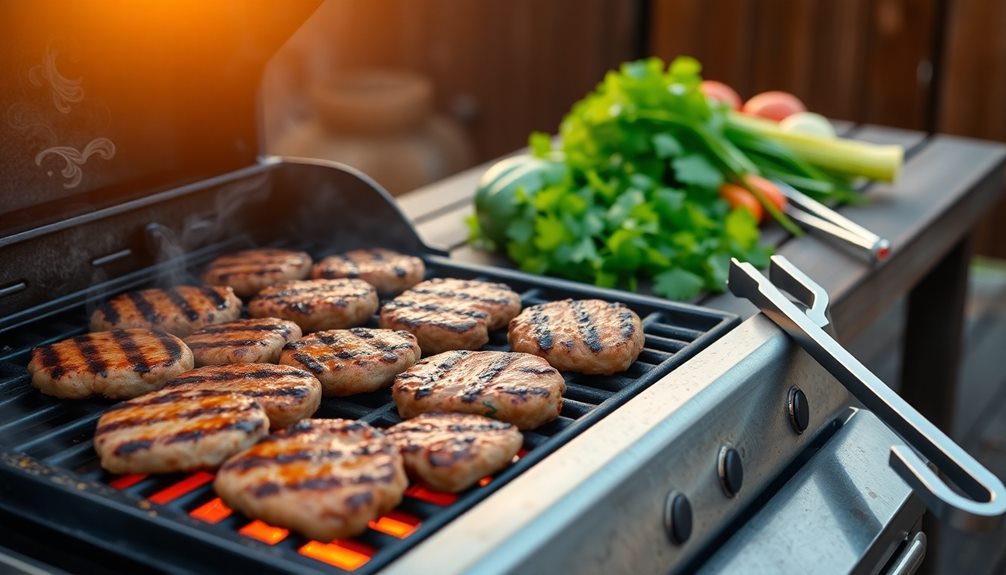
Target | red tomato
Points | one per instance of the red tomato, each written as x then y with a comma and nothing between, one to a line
720,92
771,191
738,197
774,105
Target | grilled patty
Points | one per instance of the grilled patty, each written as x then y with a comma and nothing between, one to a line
287,394
518,388
318,304
257,340
177,430
178,310
357,360
390,272
250,271
585,336
446,314
117,364
451,451
326,478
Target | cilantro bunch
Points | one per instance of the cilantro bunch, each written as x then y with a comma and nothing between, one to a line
631,195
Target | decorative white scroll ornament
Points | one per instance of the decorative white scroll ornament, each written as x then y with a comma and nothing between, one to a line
64,90
75,158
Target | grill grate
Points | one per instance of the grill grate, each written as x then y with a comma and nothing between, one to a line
47,442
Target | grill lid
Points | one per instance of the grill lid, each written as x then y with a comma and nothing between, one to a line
102,103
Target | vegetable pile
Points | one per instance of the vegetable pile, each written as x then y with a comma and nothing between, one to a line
659,177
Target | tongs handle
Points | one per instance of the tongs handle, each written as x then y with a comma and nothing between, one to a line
984,506
816,215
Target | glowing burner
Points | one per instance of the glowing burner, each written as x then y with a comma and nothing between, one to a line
347,555
396,524
431,496
169,494
213,511
127,481
264,532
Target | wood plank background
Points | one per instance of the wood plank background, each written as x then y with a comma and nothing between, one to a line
503,68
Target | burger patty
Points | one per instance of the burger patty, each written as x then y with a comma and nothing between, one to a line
257,340
388,271
318,304
518,388
446,314
325,478
287,394
584,336
357,360
451,451
178,310
116,364
250,271
177,430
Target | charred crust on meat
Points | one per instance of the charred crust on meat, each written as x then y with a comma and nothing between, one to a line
130,447
181,304
108,310
542,331
50,361
308,362
238,375
626,320
216,329
585,323
171,346
143,306
244,426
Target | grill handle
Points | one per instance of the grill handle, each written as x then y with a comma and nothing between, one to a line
984,507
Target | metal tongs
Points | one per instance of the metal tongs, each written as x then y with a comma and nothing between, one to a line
984,506
815,215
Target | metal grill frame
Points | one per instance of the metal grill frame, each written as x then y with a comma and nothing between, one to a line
166,537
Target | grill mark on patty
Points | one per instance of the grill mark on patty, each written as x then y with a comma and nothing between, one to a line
322,291
246,426
110,312
92,356
214,296
473,390
168,398
537,370
253,461
542,330
129,447
235,328
137,359
51,362
441,371
460,295
626,325
250,269
191,414
179,301
585,323
225,343
143,306
309,362
384,474
235,376
435,308
427,428
171,346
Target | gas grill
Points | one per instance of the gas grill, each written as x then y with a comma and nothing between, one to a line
723,445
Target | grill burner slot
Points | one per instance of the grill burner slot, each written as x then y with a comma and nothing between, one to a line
57,435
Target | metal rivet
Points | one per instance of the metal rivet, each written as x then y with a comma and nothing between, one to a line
799,409
731,470
677,517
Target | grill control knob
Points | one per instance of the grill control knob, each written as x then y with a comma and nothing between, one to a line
677,517
799,409
731,471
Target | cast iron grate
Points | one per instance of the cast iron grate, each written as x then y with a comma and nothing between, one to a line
177,520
